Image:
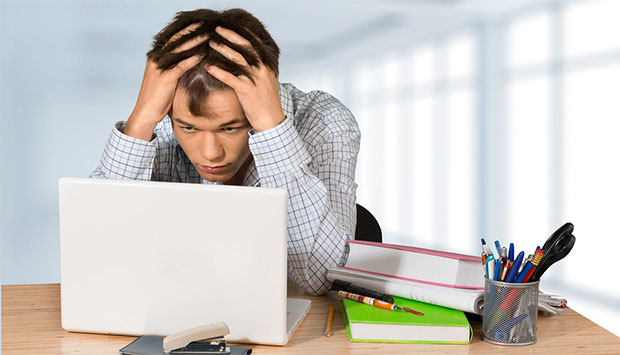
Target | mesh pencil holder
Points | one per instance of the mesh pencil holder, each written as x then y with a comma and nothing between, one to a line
510,314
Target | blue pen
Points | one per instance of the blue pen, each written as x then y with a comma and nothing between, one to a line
512,273
500,332
499,248
485,247
526,269
498,267
511,252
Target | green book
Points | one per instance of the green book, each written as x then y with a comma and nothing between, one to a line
365,323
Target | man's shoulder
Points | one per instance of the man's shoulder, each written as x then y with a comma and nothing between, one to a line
319,109
316,99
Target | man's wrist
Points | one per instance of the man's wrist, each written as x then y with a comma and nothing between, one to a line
269,125
278,150
139,128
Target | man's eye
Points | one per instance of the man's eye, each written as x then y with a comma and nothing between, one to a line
230,129
187,128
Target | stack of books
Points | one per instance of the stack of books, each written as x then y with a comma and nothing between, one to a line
441,278
439,284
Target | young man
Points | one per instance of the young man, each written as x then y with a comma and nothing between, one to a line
211,110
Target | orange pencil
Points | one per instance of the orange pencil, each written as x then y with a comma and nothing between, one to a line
330,320
376,303
368,300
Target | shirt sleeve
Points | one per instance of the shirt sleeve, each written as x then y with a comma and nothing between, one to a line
126,157
320,180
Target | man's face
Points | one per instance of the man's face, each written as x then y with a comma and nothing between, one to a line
217,144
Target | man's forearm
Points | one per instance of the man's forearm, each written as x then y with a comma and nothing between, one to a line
139,127
321,217
125,157
316,234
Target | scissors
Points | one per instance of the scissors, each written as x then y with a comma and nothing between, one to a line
559,244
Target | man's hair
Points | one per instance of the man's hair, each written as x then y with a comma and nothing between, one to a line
197,81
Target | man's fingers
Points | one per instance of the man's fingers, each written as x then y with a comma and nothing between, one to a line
224,76
232,36
191,43
229,53
183,32
253,35
188,63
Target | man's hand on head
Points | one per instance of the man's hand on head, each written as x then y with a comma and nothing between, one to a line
158,88
260,98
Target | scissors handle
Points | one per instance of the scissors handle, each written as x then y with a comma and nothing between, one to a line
559,244
566,229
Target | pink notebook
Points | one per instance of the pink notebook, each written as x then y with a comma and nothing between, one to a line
416,264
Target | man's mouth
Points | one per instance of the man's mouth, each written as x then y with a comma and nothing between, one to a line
213,169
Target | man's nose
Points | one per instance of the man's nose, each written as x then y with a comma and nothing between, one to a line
211,150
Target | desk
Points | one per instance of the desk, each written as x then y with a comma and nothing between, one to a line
31,325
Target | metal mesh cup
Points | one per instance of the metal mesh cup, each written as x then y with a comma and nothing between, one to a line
510,312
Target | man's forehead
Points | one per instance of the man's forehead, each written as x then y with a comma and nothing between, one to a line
216,106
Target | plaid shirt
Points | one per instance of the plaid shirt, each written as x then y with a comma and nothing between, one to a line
312,154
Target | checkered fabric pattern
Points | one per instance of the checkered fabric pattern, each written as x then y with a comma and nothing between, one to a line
312,154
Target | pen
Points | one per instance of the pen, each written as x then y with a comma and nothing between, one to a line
499,248
529,265
485,247
511,323
498,270
484,256
504,271
526,268
489,267
511,252
330,320
535,262
500,332
376,303
513,270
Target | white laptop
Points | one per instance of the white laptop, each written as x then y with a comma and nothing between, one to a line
156,258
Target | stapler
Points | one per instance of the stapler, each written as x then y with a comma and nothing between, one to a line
206,339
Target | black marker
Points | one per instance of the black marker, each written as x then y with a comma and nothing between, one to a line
340,285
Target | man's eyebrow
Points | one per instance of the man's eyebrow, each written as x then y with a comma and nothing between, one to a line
180,121
235,121
225,124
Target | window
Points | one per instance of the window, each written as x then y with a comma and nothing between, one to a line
562,83
418,164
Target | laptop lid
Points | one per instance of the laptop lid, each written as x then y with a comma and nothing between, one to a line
155,258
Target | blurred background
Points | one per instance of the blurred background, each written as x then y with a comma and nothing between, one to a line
494,119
